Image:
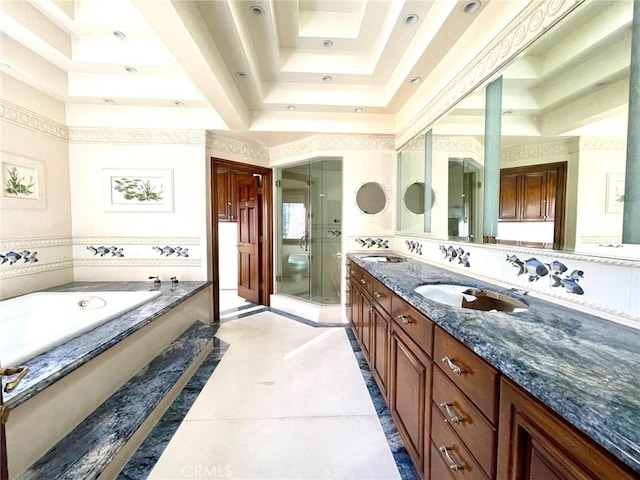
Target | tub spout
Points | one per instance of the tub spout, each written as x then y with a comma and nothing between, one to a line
21,372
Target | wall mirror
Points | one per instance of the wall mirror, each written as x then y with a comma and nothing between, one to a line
413,198
563,142
371,198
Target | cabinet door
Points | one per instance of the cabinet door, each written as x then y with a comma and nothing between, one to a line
356,300
410,393
552,185
366,310
534,196
380,350
509,201
535,444
223,194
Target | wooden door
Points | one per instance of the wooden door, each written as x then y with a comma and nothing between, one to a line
249,260
534,195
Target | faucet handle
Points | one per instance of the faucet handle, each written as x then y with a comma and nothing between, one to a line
174,280
156,279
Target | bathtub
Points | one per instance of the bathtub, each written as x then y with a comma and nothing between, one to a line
34,323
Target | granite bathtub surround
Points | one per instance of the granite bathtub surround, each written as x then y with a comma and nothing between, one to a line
581,366
49,367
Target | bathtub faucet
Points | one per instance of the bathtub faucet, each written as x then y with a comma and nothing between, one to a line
174,280
156,280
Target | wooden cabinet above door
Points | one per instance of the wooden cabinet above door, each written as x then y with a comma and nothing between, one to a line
226,191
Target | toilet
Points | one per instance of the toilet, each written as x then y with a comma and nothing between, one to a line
297,263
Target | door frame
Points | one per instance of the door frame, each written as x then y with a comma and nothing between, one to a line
266,228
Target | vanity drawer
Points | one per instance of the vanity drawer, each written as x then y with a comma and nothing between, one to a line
381,295
468,372
446,450
465,419
416,325
362,278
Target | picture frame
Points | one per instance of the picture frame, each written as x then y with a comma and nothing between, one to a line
138,190
23,182
615,193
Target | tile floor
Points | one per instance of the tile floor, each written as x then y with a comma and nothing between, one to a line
287,401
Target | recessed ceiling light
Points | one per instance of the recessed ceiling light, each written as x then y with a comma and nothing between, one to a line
291,107
130,69
256,10
110,101
327,78
506,113
471,7
240,75
119,35
327,44
411,19
178,103
415,80
357,109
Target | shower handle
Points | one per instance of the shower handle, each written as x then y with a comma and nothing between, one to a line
304,238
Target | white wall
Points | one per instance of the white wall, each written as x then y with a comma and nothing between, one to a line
31,139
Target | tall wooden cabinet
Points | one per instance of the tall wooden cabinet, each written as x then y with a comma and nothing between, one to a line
226,182
529,194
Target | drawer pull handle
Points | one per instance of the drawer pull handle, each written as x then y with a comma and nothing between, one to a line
378,295
404,319
453,418
363,281
453,466
456,369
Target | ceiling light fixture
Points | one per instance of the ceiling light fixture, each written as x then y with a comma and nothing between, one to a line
357,109
110,101
119,35
240,75
471,7
411,19
327,44
415,80
327,78
256,10
178,103
130,69
291,107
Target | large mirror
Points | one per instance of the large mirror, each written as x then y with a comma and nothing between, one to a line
563,143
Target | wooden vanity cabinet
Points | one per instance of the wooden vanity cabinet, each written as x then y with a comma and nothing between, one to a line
536,444
226,183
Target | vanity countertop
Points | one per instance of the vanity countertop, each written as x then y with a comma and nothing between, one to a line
583,367
54,364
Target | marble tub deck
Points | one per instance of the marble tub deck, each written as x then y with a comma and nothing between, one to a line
583,367
51,366
276,407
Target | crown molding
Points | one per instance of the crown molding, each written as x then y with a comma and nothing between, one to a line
603,143
136,136
533,21
332,142
559,147
238,147
457,143
23,117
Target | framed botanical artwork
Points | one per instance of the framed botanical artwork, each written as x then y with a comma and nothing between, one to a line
615,193
143,190
22,182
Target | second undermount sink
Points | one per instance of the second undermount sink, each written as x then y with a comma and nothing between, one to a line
474,298
382,258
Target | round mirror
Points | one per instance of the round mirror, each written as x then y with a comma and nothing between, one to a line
371,198
414,197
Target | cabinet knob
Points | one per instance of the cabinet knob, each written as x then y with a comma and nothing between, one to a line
452,417
456,369
363,281
453,466
404,319
378,295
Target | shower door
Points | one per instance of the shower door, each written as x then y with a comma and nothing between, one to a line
310,211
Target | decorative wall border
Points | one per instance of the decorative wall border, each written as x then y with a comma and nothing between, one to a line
139,262
332,142
136,240
561,147
136,136
232,145
26,118
452,143
33,268
31,243
534,20
603,143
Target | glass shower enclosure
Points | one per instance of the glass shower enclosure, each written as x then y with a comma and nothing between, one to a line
309,230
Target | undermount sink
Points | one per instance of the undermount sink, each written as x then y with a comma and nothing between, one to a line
474,298
383,258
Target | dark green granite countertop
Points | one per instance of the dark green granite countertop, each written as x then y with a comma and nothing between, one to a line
583,367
